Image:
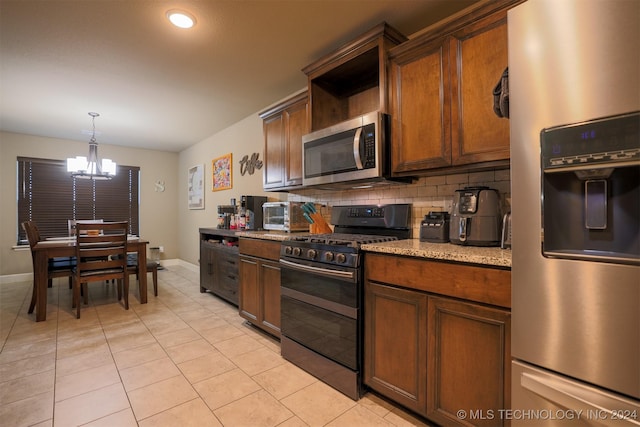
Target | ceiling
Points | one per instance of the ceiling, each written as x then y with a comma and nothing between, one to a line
160,87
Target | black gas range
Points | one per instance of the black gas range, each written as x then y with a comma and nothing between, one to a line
339,249
353,226
322,292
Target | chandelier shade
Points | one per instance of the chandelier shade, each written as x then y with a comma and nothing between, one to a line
91,167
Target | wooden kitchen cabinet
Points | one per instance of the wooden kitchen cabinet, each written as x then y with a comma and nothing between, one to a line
469,362
219,264
259,300
283,126
441,94
437,337
478,56
419,105
352,80
395,344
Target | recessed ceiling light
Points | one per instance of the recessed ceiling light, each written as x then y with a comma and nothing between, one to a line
181,19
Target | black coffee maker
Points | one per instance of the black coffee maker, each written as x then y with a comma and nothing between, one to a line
252,206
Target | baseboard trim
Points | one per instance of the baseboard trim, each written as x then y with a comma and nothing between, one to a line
13,278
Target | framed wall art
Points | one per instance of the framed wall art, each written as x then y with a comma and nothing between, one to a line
196,187
222,173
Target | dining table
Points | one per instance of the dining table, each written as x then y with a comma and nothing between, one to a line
66,247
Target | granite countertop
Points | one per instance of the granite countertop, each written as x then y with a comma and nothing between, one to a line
493,256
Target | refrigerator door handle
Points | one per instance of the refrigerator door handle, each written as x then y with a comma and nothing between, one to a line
597,407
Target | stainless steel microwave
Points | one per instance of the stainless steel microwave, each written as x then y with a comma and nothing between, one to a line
354,150
284,216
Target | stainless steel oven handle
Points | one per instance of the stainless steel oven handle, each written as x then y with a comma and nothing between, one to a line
356,148
318,270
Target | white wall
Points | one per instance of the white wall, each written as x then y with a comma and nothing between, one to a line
240,139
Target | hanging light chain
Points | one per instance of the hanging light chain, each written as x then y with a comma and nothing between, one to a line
93,122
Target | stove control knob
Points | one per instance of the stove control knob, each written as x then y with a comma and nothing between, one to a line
328,256
341,258
287,250
297,251
311,253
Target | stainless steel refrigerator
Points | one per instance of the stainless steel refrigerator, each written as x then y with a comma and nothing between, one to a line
574,97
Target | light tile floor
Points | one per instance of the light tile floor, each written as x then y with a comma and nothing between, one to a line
183,359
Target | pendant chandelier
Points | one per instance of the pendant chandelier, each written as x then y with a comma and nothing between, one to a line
90,167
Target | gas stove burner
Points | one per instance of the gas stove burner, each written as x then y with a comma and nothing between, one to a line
345,239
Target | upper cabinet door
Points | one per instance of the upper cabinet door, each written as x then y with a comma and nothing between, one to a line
283,126
296,119
273,127
478,57
441,95
420,104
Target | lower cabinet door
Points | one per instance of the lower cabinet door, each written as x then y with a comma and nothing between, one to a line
270,299
259,296
395,341
249,290
207,267
469,363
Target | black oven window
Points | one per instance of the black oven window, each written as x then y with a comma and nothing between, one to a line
48,195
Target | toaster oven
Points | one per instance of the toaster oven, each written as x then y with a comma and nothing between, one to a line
284,216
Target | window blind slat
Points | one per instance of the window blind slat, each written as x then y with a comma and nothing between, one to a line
48,195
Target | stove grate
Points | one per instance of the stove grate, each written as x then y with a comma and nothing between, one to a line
345,239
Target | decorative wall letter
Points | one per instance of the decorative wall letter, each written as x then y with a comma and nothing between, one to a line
250,165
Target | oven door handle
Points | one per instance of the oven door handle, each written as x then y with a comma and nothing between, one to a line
349,275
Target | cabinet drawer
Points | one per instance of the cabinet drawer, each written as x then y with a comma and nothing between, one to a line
267,249
227,265
228,276
470,282
228,290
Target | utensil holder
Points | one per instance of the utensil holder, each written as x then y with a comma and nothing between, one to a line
319,226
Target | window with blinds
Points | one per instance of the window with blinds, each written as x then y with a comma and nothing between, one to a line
50,196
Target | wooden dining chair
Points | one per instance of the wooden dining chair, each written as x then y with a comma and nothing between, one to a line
56,267
101,255
152,267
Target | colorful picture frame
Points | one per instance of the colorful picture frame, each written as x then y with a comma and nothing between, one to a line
222,173
195,182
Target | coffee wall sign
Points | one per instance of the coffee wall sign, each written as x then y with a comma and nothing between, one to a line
250,164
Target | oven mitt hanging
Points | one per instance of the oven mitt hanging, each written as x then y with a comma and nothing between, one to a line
501,96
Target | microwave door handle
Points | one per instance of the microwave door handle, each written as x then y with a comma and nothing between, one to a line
356,148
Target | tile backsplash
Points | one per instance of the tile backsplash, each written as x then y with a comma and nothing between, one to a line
425,195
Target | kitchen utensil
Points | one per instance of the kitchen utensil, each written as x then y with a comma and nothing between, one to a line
309,208
308,218
318,223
